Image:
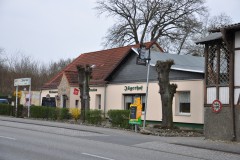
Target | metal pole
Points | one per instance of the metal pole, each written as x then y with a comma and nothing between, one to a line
29,103
16,100
146,100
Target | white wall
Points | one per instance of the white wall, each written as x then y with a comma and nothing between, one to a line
237,39
237,68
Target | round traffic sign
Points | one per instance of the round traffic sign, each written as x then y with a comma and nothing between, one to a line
216,106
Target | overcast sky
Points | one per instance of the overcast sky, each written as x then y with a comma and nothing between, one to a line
49,30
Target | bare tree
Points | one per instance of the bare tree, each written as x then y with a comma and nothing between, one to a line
22,66
149,20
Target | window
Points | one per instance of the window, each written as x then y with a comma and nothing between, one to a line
76,103
184,102
98,101
129,99
218,65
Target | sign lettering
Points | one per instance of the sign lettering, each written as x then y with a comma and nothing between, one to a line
22,82
136,88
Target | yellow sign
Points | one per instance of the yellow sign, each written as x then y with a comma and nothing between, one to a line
136,112
19,94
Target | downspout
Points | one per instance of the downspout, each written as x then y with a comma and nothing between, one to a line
40,98
105,98
231,84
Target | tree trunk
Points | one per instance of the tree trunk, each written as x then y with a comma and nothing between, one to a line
81,77
84,74
166,91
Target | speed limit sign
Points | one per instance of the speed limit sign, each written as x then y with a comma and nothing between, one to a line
216,106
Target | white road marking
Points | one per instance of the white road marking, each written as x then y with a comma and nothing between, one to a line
92,155
8,138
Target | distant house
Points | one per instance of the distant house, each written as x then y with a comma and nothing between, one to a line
117,80
222,87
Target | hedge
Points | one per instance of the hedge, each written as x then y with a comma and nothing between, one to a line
8,110
94,116
119,118
49,113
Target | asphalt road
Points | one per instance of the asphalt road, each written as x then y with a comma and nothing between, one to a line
54,141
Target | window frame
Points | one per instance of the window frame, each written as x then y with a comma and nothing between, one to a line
178,112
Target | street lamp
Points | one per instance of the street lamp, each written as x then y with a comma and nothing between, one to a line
144,58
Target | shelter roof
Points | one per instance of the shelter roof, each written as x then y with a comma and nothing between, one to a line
216,34
235,26
210,37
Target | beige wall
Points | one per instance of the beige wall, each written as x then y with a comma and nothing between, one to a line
35,98
115,95
115,98
94,92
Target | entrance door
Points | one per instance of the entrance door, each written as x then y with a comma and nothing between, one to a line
64,98
98,101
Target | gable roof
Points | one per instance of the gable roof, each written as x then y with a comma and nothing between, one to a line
105,62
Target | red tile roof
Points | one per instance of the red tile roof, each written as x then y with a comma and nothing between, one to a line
105,62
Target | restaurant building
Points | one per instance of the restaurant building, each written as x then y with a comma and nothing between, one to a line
117,80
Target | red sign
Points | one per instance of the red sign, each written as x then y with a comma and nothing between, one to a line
216,106
76,91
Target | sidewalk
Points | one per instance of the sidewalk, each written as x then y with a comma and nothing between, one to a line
196,142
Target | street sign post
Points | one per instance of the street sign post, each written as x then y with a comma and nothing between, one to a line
23,82
144,57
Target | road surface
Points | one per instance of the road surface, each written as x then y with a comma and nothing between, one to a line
54,141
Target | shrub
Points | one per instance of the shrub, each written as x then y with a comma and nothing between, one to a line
94,116
119,118
75,113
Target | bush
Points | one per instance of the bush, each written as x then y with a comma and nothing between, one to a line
94,116
119,118
75,113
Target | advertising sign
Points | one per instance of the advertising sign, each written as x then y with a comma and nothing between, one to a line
136,112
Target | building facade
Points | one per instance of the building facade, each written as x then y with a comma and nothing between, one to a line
127,80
